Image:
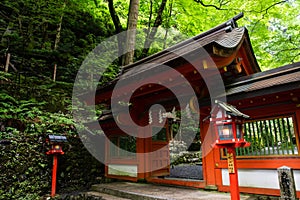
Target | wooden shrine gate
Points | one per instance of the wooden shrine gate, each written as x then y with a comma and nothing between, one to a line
160,154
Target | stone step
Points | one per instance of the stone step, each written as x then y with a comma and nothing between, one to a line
124,194
104,196
143,191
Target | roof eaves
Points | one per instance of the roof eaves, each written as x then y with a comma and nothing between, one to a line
231,109
280,76
273,73
182,48
226,26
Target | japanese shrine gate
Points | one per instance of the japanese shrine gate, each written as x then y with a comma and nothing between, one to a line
270,98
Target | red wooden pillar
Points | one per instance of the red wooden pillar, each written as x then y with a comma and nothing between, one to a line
54,172
209,159
233,174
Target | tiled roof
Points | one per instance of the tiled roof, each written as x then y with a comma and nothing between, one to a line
223,38
275,77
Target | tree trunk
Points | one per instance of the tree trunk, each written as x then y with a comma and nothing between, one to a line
168,24
118,29
157,23
7,62
54,72
150,19
131,31
115,18
57,39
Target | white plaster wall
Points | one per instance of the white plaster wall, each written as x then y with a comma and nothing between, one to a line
254,178
297,179
259,178
122,170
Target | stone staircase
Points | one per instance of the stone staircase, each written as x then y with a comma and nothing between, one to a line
143,191
122,194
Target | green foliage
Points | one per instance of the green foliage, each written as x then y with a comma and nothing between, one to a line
273,26
29,31
28,113
25,168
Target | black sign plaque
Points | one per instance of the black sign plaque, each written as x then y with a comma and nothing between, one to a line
286,183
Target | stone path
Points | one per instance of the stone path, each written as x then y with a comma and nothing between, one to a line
105,196
141,191
187,171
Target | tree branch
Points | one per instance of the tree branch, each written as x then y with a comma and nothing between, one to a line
96,3
5,9
275,4
118,28
114,17
292,55
293,59
221,3
150,19
168,24
266,12
4,16
290,49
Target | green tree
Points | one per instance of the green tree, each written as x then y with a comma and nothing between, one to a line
151,14
39,34
273,26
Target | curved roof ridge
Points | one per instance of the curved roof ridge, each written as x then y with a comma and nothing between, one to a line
226,26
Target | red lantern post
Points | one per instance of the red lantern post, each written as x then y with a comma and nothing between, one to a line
56,149
233,175
228,125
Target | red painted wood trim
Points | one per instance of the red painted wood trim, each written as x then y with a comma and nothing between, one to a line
297,128
183,69
251,190
126,178
106,170
272,163
186,183
266,105
122,161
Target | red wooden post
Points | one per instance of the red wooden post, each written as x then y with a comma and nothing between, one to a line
54,172
233,174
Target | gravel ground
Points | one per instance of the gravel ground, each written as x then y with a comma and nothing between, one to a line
186,171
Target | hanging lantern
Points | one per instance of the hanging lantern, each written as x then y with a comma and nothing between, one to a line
228,124
56,142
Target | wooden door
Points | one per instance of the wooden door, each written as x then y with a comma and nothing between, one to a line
160,154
